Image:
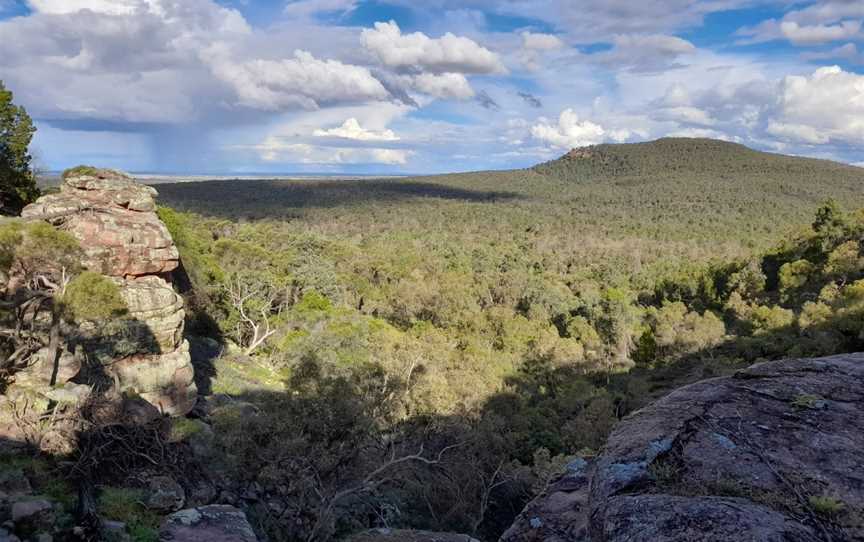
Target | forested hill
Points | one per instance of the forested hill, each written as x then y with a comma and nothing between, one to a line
673,157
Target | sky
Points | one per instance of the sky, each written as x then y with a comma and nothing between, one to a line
409,86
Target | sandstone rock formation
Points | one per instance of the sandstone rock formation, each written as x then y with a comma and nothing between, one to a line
114,219
773,453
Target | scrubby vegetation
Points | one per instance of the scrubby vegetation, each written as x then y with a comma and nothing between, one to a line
427,352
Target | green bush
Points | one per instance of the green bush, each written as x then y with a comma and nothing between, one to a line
93,297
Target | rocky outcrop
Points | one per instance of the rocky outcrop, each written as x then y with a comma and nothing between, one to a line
775,452
214,523
114,219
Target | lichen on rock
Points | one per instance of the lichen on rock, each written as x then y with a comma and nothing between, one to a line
733,458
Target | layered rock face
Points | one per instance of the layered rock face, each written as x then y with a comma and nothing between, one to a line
114,219
773,453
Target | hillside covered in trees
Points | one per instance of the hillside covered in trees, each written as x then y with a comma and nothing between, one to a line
507,318
422,353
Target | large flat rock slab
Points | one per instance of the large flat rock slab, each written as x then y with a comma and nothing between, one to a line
775,452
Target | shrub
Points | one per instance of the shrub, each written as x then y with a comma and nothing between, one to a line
93,297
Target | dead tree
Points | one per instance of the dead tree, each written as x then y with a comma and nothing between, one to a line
257,302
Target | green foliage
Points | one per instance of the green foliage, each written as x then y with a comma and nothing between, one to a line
806,401
37,248
79,171
127,505
830,222
17,182
91,296
826,506
10,237
794,275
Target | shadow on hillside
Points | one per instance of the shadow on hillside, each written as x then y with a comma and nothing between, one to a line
284,198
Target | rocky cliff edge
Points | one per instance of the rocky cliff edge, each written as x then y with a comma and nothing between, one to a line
773,453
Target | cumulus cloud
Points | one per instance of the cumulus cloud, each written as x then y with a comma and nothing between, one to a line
571,132
825,106
535,47
303,81
275,149
439,85
98,63
676,105
419,52
351,129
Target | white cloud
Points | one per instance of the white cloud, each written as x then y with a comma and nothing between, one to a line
797,132
541,42
825,106
827,11
821,22
275,149
417,51
351,129
644,52
444,85
848,52
570,132
303,81
703,133
686,115
816,34
115,7
307,8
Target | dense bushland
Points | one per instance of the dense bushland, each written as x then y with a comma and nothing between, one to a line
412,373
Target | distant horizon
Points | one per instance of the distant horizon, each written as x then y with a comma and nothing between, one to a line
168,175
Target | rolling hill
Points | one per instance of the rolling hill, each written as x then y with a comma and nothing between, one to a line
683,194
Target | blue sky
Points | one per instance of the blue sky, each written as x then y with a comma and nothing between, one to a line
400,86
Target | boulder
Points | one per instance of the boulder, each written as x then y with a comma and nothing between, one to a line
401,535
165,494
214,523
31,517
775,452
